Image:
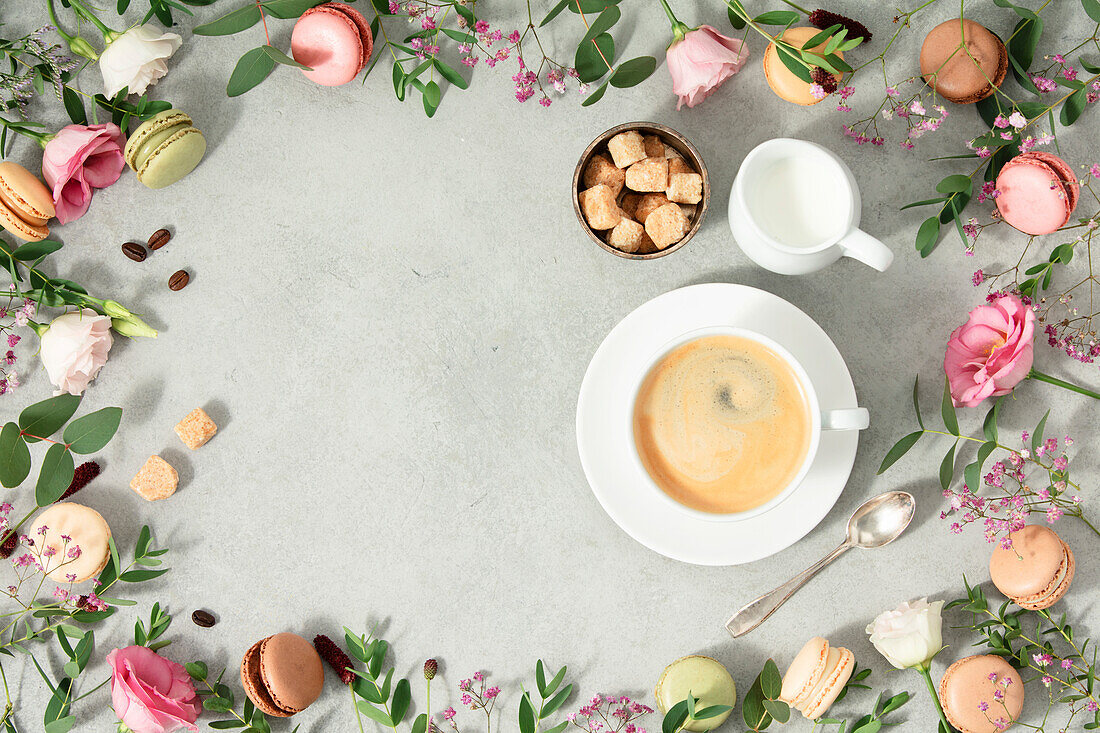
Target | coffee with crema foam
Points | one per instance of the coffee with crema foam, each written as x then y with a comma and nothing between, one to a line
722,424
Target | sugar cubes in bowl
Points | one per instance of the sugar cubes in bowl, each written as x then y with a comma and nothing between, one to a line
641,190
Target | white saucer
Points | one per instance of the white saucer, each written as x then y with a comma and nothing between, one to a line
619,482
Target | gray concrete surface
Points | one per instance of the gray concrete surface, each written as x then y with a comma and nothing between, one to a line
389,318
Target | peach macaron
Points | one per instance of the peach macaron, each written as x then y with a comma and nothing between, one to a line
816,677
26,205
1035,570
1037,192
981,694
784,82
334,40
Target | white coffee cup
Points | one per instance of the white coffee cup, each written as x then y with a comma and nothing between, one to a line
795,208
855,418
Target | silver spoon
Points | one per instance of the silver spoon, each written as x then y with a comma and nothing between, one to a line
877,522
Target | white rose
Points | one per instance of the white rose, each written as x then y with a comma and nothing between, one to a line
910,635
74,349
136,59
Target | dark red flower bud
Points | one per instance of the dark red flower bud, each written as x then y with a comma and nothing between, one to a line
82,476
823,79
430,668
824,19
335,656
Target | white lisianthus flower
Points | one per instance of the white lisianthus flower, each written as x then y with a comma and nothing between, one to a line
75,348
137,59
910,635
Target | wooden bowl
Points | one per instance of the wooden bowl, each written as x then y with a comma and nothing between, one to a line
674,140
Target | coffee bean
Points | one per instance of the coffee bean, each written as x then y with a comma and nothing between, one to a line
204,619
134,251
159,238
179,280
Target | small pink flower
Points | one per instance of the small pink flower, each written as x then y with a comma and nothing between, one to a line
1001,121
1017,120
449,714
481,27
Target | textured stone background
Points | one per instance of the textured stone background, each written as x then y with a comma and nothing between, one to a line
390,317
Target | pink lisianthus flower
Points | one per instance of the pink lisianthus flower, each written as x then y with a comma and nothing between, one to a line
700,60
151,694
76,160
992,352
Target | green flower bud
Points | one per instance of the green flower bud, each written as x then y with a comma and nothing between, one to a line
81,47
133,327
116,310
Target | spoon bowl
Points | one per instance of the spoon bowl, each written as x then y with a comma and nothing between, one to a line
881,519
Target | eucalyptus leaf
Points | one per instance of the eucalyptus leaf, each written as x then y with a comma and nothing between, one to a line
554,12
947,467
251,69
633,72
55,476
526,714
233,22
450,74
15,457
928,236
778,710
947,410
91,432
900,449
288,9
43,419
603,23
281,58
595,95
589,62
776,17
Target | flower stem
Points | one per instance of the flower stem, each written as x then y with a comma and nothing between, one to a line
923,670
57,26
1040,377
81,9
679,30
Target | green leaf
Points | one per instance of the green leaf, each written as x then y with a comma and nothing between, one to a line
431,96
43,419
1037,436
1073,107
554,12
752,708
61,725
287,9
402,696
552,705
972,474
526,714
589,63
916,401
556,681
735,18
793,63
281,58
989,426
928,236
91,432
675,717
595,95
947,467
633,72
776,17
230,23
74,106
399,82
466,14
589,6
1092,9
712,711
926,202
460,36
140,576
450,74
947,410
251,69
31,251
420,725
778,710
608,18
900,449
954,184
15,457
55,476
871,726
540,678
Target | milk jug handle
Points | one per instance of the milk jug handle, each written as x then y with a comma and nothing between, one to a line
861,246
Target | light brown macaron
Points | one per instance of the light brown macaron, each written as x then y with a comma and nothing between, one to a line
959,76
816,677
282,674
26,205
782,80
974,683
1035,570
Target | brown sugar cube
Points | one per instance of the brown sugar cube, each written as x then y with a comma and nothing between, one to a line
671,153
196,429
647,246
627,235
648,175
685,188
654,148
666,225
689,210
601,170
649,203
678,165
156,480
629,204
599,207
626,148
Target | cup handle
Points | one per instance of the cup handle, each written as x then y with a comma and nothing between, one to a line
855,418
861,246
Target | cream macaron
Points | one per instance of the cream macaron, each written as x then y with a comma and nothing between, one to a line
71,541
816,677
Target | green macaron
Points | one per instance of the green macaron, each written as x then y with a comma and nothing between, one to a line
164,149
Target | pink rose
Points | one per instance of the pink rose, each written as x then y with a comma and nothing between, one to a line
78,159
152,694
992,352
74,348
701,61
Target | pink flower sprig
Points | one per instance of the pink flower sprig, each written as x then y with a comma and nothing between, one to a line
14,313
609,714
917,110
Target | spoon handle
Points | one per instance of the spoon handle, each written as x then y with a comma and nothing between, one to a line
756,612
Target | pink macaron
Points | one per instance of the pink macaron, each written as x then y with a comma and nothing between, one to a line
334,40
1037,192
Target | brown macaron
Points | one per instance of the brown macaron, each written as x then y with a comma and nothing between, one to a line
1035,570
959,76
982,681
282,674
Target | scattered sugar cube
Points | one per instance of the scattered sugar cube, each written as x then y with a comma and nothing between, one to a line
627,235
626,148
678,165
666,225
630,202
601,170
648,175
196,429
156,480
599,207
654,148
684,188
649,203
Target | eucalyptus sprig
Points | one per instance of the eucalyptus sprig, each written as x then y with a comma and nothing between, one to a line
1055,494
762,705
218,697
162,9
1036,642
688,711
